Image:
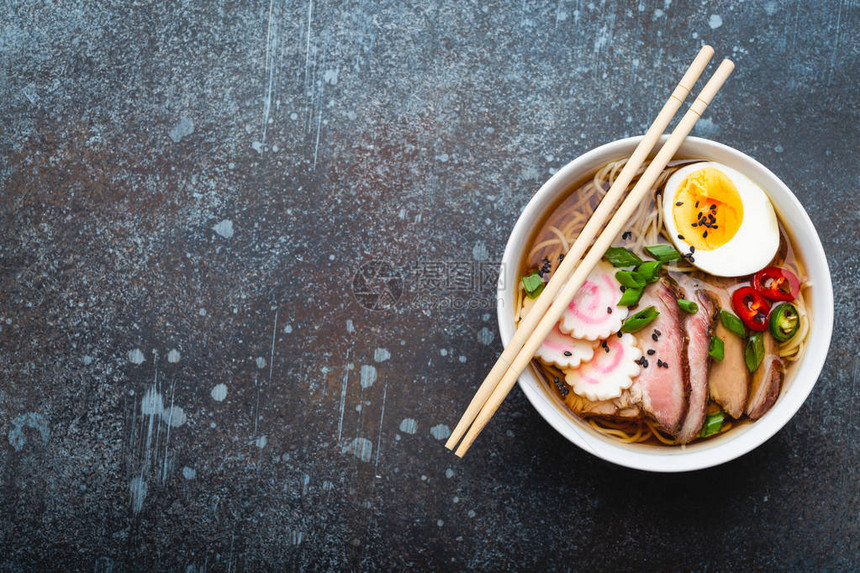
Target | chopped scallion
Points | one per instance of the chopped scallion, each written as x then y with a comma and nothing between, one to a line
621,257
688,306
713,424
533,284
630,279
716,349
732,323
630,297
640,320
650,271
754,351
663,252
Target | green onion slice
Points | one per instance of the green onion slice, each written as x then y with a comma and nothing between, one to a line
630,279
533,284
621,257
754,351
732,323
663,252
650,271
630,297
716,349
713,424
640,320
688,306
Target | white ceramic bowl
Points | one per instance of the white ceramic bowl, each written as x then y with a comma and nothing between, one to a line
739,440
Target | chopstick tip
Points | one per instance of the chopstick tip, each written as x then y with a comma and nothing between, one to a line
727,65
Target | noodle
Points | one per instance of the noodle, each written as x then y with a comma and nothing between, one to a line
645,228
564,245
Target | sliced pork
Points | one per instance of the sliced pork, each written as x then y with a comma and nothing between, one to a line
700,327
766,381
662,389
729,379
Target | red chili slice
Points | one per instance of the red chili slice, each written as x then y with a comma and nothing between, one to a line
776,283
751,307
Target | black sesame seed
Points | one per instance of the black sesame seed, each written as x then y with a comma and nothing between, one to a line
659,363
623,288
626,235
692,260
619,334
692,249
606,348
651,352
694,225
568,353
713,207
608,310
681,237
705,234
679,203
644,363
657,332
654,337
561,257
697,204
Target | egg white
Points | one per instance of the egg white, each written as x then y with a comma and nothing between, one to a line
754,244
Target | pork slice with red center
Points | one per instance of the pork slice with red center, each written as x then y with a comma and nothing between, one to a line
663,387
700,328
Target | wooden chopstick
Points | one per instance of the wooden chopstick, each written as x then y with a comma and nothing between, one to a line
603,242
586,236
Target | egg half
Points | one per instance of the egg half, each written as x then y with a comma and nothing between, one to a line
721,218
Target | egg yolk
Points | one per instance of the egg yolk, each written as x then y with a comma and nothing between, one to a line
708,210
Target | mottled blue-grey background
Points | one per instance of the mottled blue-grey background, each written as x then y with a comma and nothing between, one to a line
187,191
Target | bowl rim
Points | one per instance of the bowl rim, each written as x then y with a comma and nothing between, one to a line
740,440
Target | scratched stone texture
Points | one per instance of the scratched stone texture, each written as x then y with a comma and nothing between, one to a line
188,381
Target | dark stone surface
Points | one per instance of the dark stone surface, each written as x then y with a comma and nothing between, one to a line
205,178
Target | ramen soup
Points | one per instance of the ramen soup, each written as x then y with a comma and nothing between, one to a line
690,323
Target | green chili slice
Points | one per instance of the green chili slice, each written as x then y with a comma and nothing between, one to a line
784,322
630,279
650,271
754,351
688,306
716,349
663,252
621,257
732,323
630,297
713,424
640,320
533,284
